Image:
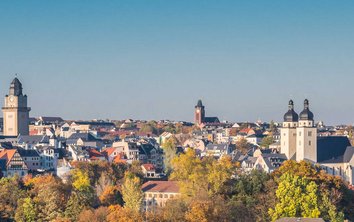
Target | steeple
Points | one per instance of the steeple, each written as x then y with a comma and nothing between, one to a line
15,87
306,114
291,115
199,104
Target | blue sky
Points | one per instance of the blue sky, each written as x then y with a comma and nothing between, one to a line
155,59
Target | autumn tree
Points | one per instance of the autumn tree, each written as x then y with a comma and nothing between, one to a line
117,213
93,215
297,197
243,145
26,210
267,141
132,193
170,149
10,193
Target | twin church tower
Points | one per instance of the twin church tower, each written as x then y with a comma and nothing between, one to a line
15,111
299,134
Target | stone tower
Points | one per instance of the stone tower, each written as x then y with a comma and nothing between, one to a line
15,111
199,113
306,148
288,132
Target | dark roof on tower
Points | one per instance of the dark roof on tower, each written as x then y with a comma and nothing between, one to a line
306,114
15,87
199,104
291,115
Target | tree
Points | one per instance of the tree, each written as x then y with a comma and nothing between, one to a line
132,193
243,145
122,214
26,211
190,172
219,172
94,215
170,150
297,197
267,141
10,193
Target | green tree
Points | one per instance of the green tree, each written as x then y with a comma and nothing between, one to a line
297,197
170,150
132,193
266,141
26,210
243,145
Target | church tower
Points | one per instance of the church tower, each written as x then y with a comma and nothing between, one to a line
306,148
288,132
15,111
199,113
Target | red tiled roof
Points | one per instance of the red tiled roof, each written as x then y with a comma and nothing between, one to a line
119,158
109,151
148,166
161,186
7,154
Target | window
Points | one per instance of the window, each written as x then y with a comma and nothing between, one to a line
166,196
299,133
150,195
160,195
310,143
310,133
299,142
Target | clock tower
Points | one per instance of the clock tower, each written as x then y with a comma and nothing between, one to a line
199,113
15,111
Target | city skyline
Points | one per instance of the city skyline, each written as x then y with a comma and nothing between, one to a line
245,60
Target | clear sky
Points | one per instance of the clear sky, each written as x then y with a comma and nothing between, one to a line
154,59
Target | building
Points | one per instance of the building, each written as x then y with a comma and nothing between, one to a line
157,193
15,111
15,164
199,115
299,141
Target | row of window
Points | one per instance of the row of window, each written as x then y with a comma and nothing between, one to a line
166,196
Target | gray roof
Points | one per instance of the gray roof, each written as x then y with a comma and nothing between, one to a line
330,148
211,120
222,147
27,153
348,155
273,160
33,139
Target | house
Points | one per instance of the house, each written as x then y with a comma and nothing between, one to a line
30,142
94,155
150,154
149,170
248,163
157,193
15,165
130,149
111,153
217,150
31,158
164,137
84,139
268,162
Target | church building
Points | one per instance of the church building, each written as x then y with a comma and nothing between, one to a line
299,141
15,111
199,116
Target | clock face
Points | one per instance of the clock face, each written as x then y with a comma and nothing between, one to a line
11,98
